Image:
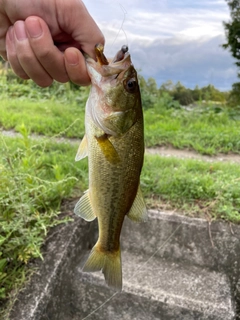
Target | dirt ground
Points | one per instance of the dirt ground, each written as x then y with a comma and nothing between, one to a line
189,154
163,151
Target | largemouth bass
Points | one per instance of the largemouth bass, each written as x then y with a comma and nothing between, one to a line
114,144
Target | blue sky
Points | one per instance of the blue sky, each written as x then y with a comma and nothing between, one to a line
170,39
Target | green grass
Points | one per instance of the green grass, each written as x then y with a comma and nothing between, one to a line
48,111
41,117
193,187
201,129
35,178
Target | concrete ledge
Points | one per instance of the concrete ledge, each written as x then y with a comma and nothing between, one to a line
215,246
174,267
58,253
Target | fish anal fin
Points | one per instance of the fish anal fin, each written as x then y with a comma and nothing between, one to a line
109,263
82,149
84,209
108,149
138,211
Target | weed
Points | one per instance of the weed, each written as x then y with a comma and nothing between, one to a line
195,187
201,129
35,177
43,118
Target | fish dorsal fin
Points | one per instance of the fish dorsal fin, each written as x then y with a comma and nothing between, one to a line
82,149
84,209
108,149
138,211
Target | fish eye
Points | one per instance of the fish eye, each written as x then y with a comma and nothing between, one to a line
131,85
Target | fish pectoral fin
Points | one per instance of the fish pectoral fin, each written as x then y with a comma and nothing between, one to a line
82,149
84,208
108,149
138,211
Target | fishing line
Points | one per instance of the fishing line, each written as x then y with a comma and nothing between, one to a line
102,305
153,255
135,273
121,27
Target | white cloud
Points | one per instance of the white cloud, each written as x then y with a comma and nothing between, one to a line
191,62
170,39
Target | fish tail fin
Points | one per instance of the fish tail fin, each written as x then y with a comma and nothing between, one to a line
109,263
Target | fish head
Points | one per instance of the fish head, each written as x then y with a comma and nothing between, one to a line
114,102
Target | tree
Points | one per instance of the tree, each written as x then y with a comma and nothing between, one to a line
149,92
197,93
234,97
182,94
232,29
152,86
167,86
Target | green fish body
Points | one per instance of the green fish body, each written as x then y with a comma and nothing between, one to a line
114,144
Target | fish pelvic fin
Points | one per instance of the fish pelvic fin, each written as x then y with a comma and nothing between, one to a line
82,149
107,148
138,211
83,208
109,263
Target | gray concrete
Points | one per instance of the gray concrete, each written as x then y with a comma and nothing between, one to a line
173,268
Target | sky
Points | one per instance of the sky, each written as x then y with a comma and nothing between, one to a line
178,40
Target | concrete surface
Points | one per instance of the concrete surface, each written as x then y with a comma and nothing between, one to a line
174,267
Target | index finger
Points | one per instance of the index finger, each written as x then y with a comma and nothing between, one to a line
81,26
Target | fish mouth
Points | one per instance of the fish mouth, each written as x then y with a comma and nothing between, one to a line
112,67
120,56
102,60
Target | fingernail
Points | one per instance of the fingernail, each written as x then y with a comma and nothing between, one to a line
72,58
19,29
34,28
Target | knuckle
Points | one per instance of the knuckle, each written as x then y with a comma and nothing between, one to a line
43,53
25,59
24,56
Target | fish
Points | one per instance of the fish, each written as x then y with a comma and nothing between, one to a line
114,145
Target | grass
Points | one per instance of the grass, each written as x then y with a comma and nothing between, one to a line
43,118
201,129
35,177
47,111
193,187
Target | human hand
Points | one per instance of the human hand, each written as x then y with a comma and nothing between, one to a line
42,39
